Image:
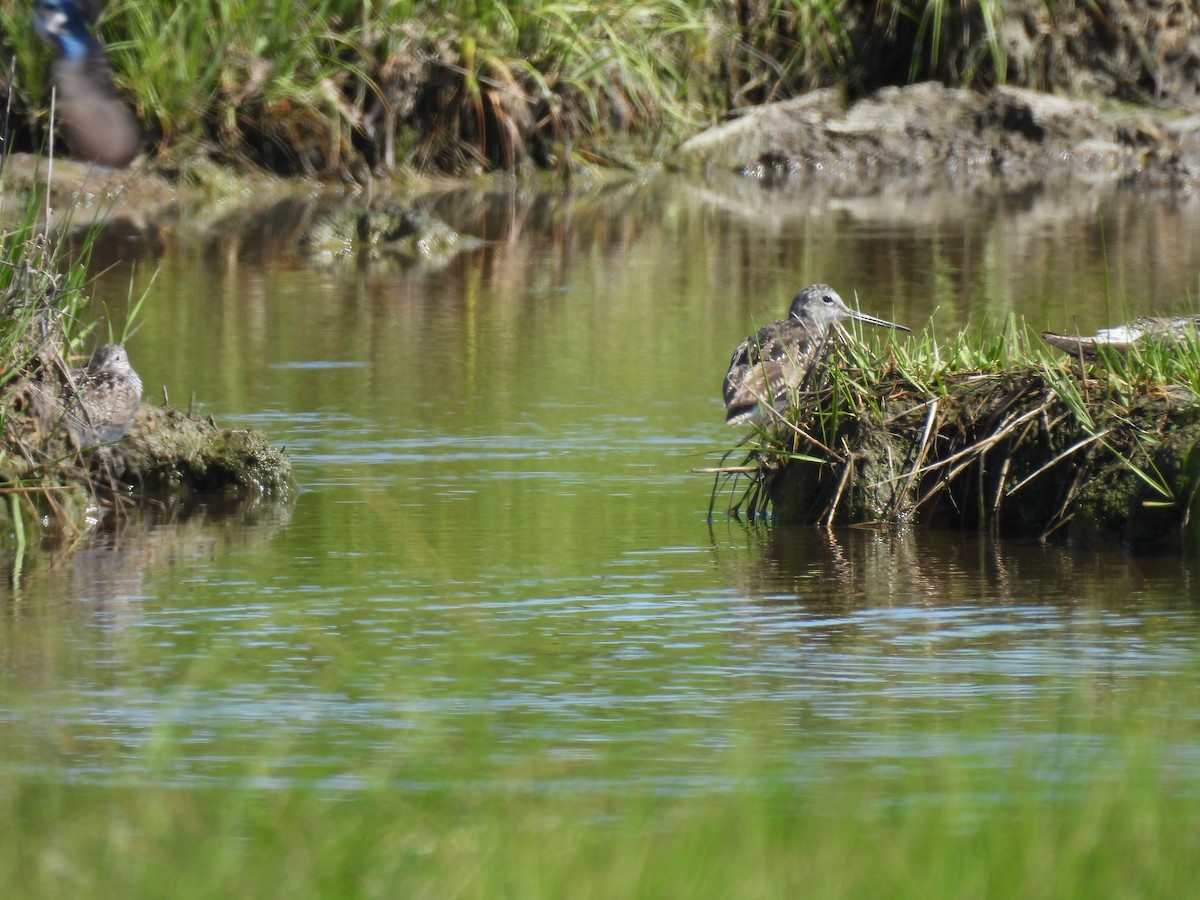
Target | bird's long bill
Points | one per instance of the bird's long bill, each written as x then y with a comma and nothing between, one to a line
863,317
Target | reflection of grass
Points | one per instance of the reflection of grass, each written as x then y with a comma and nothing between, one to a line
329,88
1080,794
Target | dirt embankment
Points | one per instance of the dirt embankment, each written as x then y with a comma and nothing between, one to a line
1039,90
929,133
1144,51
1007,451
410,91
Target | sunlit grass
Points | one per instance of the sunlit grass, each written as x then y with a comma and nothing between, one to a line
44,330
333,87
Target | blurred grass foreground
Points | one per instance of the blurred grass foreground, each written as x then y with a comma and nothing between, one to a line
1105,808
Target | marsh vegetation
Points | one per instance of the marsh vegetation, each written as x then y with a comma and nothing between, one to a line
61,470
994,430
342,89
497,650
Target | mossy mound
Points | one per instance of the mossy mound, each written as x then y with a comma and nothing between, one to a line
78,442
1054,453
168,451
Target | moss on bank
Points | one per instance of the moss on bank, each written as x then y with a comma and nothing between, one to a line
169,451
47,477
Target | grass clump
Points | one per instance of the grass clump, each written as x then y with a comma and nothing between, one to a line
41,473
54,470
995,431
333,88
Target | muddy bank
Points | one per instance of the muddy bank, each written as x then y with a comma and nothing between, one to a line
902,143
168,451
327,225
932,136
163,452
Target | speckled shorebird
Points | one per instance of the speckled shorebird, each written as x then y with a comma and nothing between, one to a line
776,359
1122,338
98,127
103,398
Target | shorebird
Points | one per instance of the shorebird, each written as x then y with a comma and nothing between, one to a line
1122,338
777,358
98,127
102,399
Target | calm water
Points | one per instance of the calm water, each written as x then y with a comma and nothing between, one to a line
499,556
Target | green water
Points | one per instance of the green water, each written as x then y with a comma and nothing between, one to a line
494,648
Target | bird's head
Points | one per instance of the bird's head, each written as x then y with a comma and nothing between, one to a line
818,306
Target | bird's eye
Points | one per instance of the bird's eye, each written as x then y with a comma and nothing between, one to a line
828,298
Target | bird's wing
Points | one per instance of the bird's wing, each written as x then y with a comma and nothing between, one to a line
749,389
746,356
764,366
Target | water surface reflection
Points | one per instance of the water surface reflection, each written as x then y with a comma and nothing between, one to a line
499,556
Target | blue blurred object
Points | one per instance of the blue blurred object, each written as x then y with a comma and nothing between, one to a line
98,127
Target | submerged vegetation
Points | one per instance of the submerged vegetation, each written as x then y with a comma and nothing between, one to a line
994,432
338,88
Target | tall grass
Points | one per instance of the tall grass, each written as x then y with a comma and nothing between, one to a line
40,294
337,87
38,319
44,325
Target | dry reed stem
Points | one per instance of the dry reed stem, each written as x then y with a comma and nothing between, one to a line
1078,445
800,432
847,470
922,452
975,448
998,498
947,428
